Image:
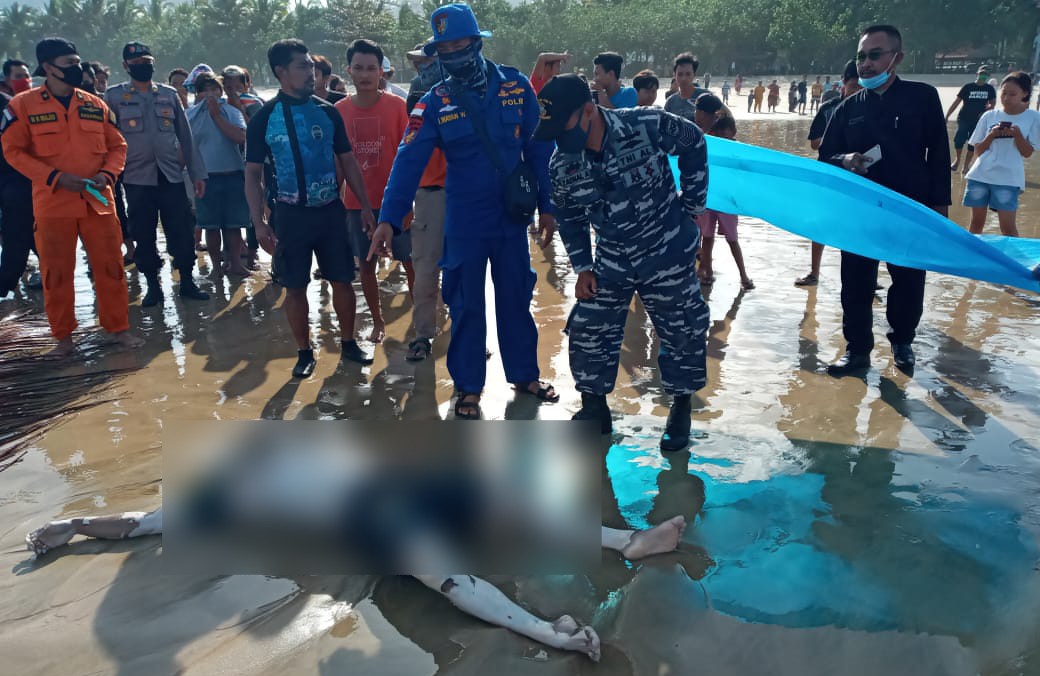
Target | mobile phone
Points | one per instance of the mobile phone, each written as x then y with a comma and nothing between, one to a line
872,156
1005,124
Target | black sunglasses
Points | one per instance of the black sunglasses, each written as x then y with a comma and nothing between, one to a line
873,55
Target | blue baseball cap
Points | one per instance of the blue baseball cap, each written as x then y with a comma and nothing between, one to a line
453,22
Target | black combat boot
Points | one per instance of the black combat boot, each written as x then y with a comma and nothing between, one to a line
190,290
154,293
677,430
594,407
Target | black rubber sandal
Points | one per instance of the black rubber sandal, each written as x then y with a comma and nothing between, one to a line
473,406
542,393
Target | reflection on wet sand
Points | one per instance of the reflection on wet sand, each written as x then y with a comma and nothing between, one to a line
858,526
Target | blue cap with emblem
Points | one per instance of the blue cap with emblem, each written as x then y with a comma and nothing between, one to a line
453,22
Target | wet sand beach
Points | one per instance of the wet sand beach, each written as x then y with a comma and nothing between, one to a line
875,525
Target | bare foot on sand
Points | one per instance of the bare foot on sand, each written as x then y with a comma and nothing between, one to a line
660,539
567,635
64,348
378,332
127,340
54,534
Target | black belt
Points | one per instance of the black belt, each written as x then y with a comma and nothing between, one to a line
432,188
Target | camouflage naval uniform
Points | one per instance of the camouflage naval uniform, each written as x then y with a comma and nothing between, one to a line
646,242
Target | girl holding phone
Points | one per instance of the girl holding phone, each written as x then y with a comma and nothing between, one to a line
1003,139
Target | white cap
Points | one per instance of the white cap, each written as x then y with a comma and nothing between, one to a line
387,66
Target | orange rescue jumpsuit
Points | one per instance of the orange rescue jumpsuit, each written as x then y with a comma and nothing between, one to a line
42,140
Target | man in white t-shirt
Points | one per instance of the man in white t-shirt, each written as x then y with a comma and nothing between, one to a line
1003,138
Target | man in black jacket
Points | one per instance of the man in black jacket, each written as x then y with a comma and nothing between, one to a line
893,132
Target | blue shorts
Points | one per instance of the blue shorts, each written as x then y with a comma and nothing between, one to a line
223,205
400,247
987,195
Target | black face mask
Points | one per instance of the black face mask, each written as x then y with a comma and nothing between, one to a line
71,75
141,72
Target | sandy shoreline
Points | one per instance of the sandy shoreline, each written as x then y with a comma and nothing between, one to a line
885,525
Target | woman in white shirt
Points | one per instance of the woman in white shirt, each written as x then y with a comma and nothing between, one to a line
1002,140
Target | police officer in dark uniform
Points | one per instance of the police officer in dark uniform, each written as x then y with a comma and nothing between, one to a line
478,228
159,145
611,171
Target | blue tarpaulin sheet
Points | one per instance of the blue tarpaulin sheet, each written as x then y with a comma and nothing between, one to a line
840,209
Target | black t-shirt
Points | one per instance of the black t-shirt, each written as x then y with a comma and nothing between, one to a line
801,89
975,98
333,96
302,137
823,116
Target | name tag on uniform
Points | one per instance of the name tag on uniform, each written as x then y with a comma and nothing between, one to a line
41,118
91,113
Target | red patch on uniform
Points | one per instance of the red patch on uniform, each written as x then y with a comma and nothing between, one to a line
414,125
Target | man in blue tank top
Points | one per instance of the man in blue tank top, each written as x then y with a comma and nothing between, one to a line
307,143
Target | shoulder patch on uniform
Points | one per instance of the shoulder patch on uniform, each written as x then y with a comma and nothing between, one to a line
681,129
41,118
415,123
7,118
91,112
418,110
442,90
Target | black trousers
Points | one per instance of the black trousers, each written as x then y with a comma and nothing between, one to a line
146,205
16,206
119,192
905,302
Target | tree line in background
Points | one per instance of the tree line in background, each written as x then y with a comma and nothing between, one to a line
749,36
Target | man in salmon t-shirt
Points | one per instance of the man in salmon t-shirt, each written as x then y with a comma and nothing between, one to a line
375,122
548,66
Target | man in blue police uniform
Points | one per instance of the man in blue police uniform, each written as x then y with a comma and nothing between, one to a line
611,170
477,228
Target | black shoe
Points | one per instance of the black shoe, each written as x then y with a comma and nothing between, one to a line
305,363
35,282
850,362
676,435
903,354
351,352
594,407
153,295
191,291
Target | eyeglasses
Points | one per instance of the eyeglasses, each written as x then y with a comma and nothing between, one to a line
873,55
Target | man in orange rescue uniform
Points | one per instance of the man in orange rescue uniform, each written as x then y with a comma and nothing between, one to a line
66,142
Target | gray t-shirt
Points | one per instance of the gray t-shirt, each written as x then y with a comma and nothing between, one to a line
220,154
683,107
